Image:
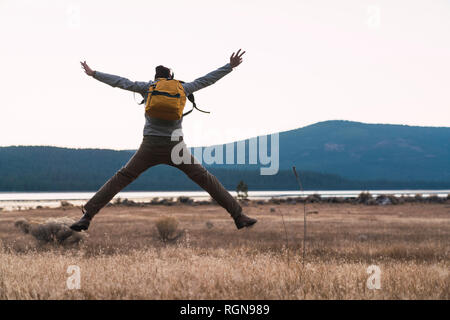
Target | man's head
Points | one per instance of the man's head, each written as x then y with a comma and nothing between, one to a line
162,72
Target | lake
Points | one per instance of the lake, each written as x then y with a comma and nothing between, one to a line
26,200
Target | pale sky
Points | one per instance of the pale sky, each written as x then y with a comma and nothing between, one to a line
307,61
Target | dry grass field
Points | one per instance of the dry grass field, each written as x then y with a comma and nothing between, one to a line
122,256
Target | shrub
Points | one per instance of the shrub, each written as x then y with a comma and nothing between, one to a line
185,200
435,199
364,197
168,229
394,199
290,200
336,200
387,199
168,202
53,230
242,190
126,203
274,201
65,204
314,198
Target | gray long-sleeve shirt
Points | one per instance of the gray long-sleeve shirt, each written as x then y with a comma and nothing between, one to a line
154,126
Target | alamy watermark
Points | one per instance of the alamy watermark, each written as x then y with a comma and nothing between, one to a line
73,15
254,151
374,280
74,280
373,17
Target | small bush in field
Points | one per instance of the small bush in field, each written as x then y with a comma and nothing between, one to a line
52,230
65,204
185,200
314,198
168,229
242,190
364,197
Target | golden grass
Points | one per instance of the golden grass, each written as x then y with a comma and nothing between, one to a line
123,257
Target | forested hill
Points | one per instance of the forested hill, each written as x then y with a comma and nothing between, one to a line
370,151
329,155
363,151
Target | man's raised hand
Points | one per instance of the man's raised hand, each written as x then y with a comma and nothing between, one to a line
236,59
86,68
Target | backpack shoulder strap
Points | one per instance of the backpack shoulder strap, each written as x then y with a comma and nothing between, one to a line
139,103
143,100
191,98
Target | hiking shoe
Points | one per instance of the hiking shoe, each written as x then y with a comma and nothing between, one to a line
82,224
242,221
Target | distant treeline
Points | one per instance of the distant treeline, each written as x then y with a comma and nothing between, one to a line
60,169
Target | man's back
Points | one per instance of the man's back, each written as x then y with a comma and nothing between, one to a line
154,126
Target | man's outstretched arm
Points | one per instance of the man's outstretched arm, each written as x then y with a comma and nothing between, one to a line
116,81
212,77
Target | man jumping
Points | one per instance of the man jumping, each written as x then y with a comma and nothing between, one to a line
157,143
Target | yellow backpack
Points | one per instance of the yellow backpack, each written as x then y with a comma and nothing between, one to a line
166,100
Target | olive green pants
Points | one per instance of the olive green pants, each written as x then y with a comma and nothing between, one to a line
157,150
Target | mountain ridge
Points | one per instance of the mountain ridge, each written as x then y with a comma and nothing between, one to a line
339,154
